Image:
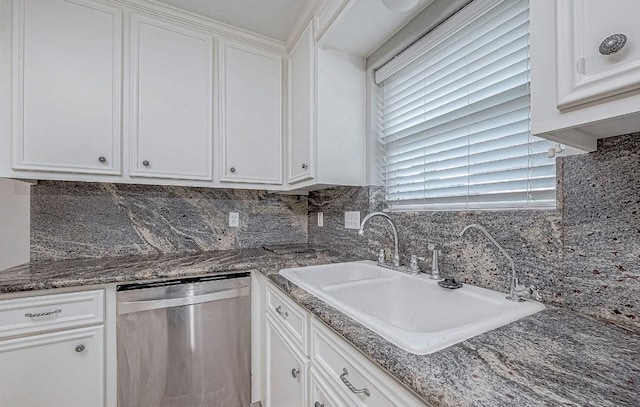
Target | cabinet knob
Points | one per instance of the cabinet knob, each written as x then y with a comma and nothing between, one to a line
80,348
304,166
612,44
102,159
317,404
145,163
232,169
294,373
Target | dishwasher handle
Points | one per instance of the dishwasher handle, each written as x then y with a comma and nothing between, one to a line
127,307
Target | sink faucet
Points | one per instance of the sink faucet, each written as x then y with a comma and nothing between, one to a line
396,256
515,291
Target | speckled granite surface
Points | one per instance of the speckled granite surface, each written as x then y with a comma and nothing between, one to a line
553,358
83,219
584,255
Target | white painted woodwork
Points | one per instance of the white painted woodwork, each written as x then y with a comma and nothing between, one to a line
577,94
585,75
67,86
66,311
341,95
327,13
301,107
258,353
282,358
250,115
321,392
330,355
171,101
293,319
46,370
15,216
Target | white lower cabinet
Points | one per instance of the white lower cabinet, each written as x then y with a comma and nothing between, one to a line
286,375
322,394
335,373
48,354
55,369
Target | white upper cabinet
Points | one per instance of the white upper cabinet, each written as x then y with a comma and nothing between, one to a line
301,107
327,116
67,86
250,115
579,91
171,101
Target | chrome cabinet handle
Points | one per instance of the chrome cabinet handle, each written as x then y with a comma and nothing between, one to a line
294,373
304,166
42,314
350,386
145,163
317,404
232,169
102,159
279,311
612,44
80,348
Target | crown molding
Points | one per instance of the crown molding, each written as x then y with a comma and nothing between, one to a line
301,23
157,9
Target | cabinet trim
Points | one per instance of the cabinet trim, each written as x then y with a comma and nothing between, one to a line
222,118
575,89
113,166
134,132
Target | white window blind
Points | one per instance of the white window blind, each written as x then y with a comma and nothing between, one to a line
455,117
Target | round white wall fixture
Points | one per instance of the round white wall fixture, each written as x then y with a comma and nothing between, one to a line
400,6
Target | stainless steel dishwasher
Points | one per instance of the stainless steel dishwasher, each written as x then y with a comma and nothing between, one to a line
185,343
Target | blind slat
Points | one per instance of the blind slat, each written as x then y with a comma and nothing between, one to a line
455,121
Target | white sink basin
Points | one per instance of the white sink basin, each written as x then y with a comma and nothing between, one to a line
411,311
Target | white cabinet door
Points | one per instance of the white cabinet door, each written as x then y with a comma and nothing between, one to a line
57,369
585,73
578,94
67,86
171,101
250,115
301,107
286,370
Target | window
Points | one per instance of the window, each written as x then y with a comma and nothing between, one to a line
455,117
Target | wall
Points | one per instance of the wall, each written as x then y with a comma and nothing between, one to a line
585,255
14,223
75,219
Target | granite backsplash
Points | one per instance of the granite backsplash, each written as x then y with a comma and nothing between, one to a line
584,255
79,219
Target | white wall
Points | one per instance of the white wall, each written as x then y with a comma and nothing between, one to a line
14,223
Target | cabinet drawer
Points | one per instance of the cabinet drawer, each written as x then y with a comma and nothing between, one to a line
361,381
50,312
290,316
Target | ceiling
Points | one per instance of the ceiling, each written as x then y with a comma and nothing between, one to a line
275,19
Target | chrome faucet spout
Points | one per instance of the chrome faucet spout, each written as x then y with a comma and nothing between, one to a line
513,291
396,256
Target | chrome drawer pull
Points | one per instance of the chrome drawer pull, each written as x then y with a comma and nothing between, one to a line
80,348
612,44
294,373
279,311
350,386
317,404
42,314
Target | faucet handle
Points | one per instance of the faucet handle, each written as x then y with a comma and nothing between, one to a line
524,291
381,257
413,264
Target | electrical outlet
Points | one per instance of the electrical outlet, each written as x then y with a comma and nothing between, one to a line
234,219
352,220
320,219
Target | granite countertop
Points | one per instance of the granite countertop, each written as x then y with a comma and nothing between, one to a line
555,357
